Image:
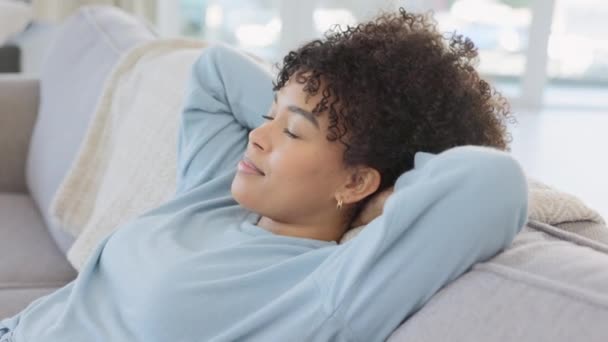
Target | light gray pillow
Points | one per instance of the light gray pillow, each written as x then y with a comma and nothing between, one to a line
85,49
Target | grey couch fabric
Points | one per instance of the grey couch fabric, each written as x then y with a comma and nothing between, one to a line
18,112
550,285
42,122
589,229
30,262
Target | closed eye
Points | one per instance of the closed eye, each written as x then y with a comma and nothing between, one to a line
285,130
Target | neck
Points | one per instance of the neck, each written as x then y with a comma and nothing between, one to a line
330,231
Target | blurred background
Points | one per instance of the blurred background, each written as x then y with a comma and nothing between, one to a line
538,52
549,57
523,44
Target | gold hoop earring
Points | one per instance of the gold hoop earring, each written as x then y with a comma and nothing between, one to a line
339,206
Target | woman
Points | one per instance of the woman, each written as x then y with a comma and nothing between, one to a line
375,126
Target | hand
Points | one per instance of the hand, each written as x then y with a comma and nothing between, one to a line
373,208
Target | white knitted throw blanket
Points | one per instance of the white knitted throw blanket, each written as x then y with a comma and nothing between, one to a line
126,164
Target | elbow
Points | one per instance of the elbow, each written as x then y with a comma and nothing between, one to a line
499,186
506,186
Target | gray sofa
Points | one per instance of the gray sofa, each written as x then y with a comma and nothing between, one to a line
550,285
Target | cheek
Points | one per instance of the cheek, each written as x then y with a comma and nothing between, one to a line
305,168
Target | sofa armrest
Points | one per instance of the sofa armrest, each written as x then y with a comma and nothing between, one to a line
19,98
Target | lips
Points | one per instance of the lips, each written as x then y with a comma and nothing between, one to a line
250,164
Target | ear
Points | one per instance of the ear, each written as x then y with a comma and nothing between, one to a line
360,183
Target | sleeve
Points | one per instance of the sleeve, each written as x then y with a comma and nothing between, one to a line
227,94
3,328
10,323
450,211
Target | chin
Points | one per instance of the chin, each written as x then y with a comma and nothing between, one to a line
243,195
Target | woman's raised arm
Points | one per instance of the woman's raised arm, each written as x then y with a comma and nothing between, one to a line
452,210
227,95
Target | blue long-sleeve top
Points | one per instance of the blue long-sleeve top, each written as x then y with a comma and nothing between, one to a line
198,268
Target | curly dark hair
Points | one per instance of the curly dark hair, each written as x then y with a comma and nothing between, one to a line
394,86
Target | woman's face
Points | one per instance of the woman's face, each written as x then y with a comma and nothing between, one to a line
302,170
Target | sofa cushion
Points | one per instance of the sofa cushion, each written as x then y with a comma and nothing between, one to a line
84,51
18,111
550,285
29,257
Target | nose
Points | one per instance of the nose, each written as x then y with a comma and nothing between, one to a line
256,138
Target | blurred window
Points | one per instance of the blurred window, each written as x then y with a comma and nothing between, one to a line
577,52
254,25
498,28
578,44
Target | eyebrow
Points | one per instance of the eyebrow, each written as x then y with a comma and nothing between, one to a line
295,109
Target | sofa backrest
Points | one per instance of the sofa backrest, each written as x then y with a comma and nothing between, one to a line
549,285
84,51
